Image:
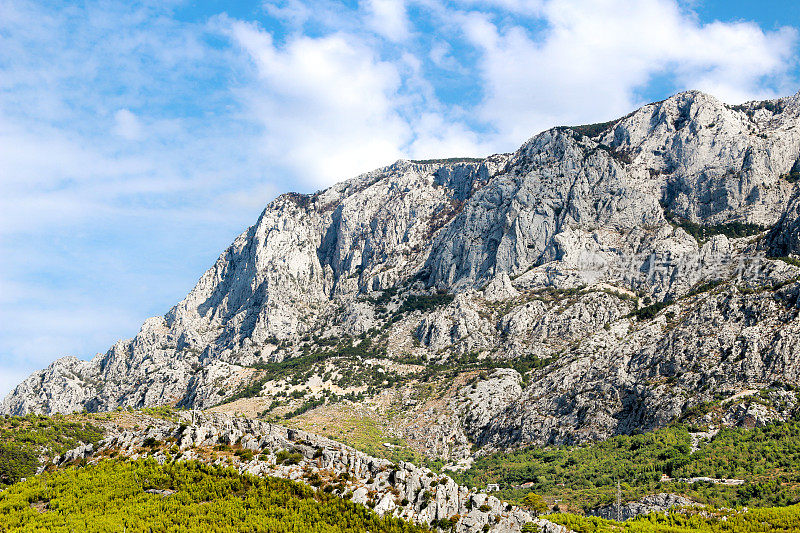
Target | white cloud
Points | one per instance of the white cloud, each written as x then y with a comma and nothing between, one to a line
332,108
293,12
527,7
595,55
328,105
127,125
388,18
437,137
441,54
68,156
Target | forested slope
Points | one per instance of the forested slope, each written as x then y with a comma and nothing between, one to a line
143,496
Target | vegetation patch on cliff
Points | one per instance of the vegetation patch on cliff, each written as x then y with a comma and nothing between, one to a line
701,233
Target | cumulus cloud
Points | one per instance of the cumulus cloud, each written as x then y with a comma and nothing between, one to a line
388,18
327,105
292,12
595,55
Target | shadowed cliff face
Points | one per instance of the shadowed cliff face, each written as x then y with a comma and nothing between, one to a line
587,248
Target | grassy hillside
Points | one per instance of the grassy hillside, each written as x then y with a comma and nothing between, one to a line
363,429
113,496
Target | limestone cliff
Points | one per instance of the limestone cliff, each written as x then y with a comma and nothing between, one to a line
633,263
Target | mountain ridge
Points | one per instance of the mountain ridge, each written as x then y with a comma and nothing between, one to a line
574,250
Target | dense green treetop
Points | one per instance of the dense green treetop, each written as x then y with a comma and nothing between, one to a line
113,496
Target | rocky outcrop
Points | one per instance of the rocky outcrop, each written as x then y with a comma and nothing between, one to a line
624,263
500,288
783,239
648,504
402,490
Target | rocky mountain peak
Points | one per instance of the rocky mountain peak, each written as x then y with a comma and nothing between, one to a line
616,273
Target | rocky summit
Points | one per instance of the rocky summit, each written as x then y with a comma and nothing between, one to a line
601,280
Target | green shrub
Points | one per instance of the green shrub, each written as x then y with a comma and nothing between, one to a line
288,458
244,454
424,302
790,261
150,442
110,496
702,233
650,311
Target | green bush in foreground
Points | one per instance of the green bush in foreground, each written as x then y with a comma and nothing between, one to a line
111,496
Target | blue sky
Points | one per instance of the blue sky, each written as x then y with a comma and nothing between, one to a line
138,139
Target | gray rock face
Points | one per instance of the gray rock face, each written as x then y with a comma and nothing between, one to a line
547,251
784,238
648,504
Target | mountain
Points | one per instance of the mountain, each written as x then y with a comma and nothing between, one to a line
603,279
